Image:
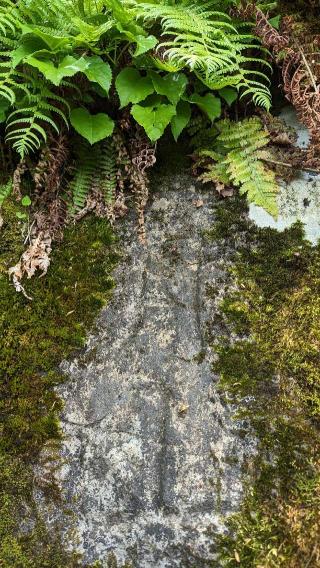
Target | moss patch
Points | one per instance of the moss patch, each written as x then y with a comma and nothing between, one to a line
35,337
272,372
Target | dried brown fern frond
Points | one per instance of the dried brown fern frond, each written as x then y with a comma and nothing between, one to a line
49,170
52,218
271,38
142,158
244,11
135,156
298,54
18,174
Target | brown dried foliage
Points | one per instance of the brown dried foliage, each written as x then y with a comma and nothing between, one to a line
36,257
49,216
50,167
18,174
245,10
134,156
297,52
51,210
139,156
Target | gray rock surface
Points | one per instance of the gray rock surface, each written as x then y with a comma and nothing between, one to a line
154,457
299,199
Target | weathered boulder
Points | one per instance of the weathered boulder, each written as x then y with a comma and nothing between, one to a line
154,458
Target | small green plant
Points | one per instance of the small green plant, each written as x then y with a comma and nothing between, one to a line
235,158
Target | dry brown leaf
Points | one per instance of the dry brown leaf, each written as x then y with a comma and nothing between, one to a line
237,557
36,257
183,408
224,191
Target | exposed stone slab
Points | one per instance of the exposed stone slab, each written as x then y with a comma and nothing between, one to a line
154,457
298,199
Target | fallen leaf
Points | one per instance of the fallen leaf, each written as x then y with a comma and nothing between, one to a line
36,257
198,203
223,190
71,312
183,408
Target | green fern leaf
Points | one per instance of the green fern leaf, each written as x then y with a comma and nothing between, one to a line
85,174
5,191
209,43
26,126
234,160
108,171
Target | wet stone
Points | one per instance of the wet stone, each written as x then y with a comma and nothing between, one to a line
154,456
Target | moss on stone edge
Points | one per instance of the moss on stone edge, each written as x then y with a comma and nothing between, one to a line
272,372
34,338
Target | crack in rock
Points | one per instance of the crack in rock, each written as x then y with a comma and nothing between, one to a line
153,455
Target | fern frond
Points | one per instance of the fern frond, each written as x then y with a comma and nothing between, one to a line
108,171
5,191
9,20
85,174
25,126
237,162
207,41
95,169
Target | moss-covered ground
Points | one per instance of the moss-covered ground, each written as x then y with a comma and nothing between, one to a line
35,336
272,373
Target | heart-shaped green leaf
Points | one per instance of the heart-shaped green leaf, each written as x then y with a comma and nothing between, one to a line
68,67
93,127
181,119
28,45
99,72
144,44
131,87
171,85
229,95
209,104
154,118
54,43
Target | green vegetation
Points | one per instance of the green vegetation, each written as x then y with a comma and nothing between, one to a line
235,160
91,39
87,88
34,338
99,67
272,373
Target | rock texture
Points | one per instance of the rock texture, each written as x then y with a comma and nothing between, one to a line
298,199
154,457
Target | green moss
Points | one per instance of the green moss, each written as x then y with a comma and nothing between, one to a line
200,357
272,372
35,337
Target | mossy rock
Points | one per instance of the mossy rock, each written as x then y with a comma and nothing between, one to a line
35,337
272,372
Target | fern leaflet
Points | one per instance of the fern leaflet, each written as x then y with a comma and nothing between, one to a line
236,160
5,191
209,43
108,171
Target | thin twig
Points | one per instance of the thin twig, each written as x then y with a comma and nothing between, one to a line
290,165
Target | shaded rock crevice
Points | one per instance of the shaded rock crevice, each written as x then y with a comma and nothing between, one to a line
153,455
